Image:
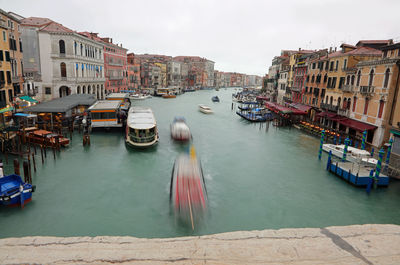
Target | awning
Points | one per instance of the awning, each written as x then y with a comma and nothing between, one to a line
282,109
27,98
6,109
301,107
357,125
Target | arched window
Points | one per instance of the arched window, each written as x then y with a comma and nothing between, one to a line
326,100
358,78
83,90
331,102
371,77
78,90
61,45
312,79
338,102
81,50
352,80
325,78
386,81
75,48
63,70
348,103
88,89
344,103
348,80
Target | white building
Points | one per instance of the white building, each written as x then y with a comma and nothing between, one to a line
68,62
282,84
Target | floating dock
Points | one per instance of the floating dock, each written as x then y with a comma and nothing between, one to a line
357,175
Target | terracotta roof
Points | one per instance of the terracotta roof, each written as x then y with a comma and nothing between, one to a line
347,45
55,27
365,51
35,21
358,51
374,41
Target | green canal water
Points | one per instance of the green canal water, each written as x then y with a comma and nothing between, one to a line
257,178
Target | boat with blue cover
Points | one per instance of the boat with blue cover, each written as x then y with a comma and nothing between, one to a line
252,111
14,192
215,99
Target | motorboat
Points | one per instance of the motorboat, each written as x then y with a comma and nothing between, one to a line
188,194
180,130
138,96
169,96
215,99
205,109
141,127
13,191
353,154
47,138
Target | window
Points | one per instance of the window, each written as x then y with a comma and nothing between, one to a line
341,82
337,65
334,82
326,66
345,64
348,80
358,78
20,45
312,79
9,77
325,78
61,45
371,77
4,36
47,90
313,66
7,56
63,69
354,104
381,105
331,67
348,103
1,56
352,79
386,81
366,106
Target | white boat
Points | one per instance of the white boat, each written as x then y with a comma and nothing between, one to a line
141,127
179,130
138,96
353,154
205,109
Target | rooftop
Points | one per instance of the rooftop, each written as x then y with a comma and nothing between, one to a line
63,104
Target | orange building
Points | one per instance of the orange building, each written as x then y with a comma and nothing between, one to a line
133,72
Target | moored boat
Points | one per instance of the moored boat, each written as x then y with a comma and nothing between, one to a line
47,138
141,127
138,96
14,192
169,96
188,194
205,109
353,154
179,130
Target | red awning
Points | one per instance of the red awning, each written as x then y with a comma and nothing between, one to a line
357,125
285,110
326,114
262,98
301,107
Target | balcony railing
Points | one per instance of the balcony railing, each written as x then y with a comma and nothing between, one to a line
367,90
348,88
329,107
344,112
116,78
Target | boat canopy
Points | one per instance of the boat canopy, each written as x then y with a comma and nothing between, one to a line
141,118
105,105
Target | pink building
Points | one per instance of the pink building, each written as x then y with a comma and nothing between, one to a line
115,63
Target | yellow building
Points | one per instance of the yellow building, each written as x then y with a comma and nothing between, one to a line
163,74
376,97
6,87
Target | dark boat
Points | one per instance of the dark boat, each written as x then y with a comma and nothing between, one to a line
215,99
14,192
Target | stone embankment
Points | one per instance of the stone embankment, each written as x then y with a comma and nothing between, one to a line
356,244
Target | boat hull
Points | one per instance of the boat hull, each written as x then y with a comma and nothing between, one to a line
14,192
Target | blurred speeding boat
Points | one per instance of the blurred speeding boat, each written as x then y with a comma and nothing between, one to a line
179,129
205,109
215,99
188,194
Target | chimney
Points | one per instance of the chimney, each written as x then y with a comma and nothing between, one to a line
299,49
111,40
330,49
335,49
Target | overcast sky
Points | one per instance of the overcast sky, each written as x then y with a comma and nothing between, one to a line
240,36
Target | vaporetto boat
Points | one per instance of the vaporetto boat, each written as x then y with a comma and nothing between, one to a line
141,127
353,154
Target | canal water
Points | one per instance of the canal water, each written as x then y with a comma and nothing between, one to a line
257,178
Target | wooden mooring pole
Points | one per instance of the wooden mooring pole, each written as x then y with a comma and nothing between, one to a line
16,167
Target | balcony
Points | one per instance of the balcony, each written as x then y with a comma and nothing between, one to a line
348,88
116,78
329,107
344,112
15,79
367,90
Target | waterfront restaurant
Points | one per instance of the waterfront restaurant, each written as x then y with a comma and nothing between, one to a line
60,108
